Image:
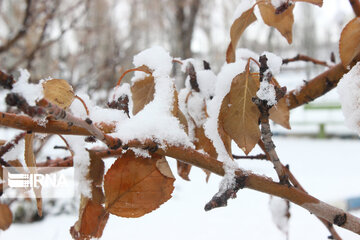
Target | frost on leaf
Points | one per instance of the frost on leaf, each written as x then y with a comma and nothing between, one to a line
349,45
5,217
134,186
31,164
59,92
92,221
236,30
282,22
239,115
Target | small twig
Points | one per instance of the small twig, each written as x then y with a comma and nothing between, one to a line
141,69
177,61
193,79
304,58
220,199
266,134
83,103
8,146
67,145
258,156
61,147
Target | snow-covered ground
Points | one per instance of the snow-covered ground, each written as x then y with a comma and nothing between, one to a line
328,169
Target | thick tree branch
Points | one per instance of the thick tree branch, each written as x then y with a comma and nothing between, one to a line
317,86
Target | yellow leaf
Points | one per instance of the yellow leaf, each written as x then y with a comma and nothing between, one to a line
31,164
134,186
349,45
5,217
59,92
239,116
282,22
236,30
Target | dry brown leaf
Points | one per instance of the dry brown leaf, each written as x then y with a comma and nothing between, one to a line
142,93
349,45
134,186
95,175
315,2
59,92
236,30
183,170
163,166
6,217
91,223
239,116
203,142
31,163
282,22
280,113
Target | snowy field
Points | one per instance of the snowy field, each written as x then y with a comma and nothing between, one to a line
328,169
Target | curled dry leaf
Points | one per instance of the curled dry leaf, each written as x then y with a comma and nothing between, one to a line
5,217
239,116
95,175
163,166
282,22
59,92
31,163
183,170
236,30
92,221
349,45
134,186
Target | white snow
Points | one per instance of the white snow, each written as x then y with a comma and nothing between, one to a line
198,65
349,95
196,107
206,80
267,92
155,120
274,62
31,92
81,164
156,58
279,208
278,3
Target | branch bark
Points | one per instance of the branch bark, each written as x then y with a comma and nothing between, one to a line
355,4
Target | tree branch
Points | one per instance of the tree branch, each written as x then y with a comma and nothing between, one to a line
23,30
304,58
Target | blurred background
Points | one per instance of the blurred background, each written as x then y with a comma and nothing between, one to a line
90,43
